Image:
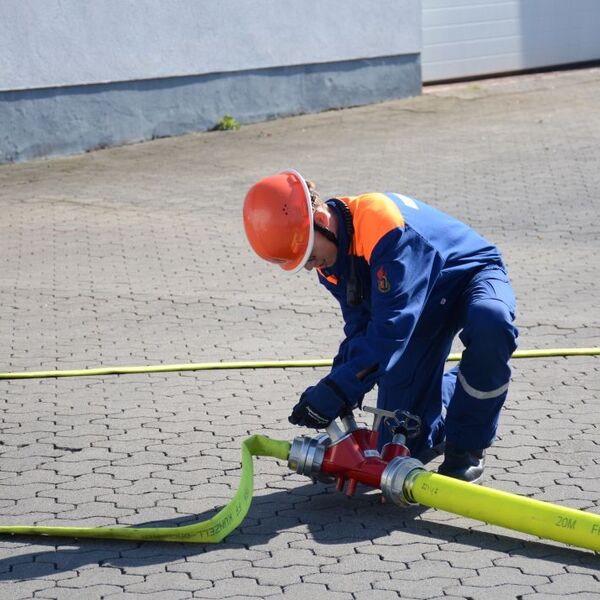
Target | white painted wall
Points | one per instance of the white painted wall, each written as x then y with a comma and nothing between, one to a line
53,43
463,38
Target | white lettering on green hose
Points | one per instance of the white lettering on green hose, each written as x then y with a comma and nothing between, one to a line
566,523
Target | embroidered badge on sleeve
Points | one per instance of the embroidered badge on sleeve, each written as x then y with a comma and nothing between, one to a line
383,283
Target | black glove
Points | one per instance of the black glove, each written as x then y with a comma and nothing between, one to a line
319,405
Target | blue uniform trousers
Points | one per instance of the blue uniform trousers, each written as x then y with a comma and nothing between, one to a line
462,405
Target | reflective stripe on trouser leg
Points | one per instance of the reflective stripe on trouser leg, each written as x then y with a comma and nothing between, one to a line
489,337
472,421
480,394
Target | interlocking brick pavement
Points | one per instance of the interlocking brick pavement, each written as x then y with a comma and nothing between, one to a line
136,255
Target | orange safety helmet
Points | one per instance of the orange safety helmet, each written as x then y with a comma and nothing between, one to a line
278,219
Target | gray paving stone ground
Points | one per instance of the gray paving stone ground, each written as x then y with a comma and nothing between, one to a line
136,255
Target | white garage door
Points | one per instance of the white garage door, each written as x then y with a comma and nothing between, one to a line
464,38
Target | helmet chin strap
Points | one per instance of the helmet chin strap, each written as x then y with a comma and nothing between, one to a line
327,234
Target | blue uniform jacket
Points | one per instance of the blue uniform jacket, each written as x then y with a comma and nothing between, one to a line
413,263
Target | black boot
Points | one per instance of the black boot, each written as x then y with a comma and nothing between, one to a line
466,465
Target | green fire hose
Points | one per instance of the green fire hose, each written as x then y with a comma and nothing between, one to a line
210,531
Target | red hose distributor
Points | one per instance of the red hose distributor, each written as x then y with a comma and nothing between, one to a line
349,454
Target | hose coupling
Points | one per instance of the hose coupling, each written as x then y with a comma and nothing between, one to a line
397,479
307,453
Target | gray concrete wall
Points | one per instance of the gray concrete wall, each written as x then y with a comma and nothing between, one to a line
77,76
69,120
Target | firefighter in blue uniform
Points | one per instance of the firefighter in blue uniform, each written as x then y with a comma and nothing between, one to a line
408,278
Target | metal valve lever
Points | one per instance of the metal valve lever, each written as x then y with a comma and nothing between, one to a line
379,415
399,422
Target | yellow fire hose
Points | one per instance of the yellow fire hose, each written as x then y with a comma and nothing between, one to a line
527,515
543,519
273,364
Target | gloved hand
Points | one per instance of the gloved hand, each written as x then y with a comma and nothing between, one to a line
319,405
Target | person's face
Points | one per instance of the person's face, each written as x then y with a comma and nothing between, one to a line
324,253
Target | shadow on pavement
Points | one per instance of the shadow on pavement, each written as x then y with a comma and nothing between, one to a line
314,512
